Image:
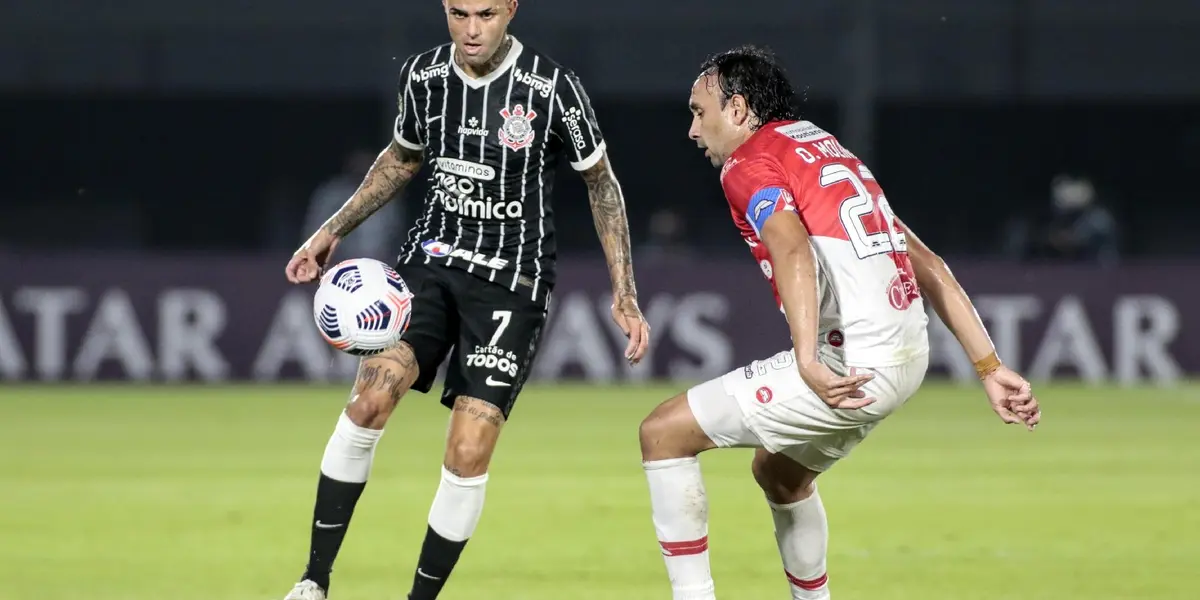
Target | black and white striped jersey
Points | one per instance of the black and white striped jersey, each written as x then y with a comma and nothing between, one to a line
492,145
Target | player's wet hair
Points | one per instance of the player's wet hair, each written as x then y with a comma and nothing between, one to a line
754,73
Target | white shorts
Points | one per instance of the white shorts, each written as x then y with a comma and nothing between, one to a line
767,405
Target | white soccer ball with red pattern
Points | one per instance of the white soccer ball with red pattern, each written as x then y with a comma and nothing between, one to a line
362,306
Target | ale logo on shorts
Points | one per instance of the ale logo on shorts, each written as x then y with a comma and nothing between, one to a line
764,395
517,130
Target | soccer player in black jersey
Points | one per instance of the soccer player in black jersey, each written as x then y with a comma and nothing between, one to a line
491,119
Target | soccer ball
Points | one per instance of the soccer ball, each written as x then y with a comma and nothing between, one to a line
362,307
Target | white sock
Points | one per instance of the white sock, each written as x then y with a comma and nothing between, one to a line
680,511
350,450
457,506
802,534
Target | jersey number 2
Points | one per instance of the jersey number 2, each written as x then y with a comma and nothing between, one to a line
864,209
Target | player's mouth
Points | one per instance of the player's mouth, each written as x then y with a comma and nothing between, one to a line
472,48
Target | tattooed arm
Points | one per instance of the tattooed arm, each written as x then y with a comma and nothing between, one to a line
393,169
612,225
608,211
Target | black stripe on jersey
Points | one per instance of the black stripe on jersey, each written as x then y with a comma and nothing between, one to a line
423,222
461,147
524,194
537,278
500,245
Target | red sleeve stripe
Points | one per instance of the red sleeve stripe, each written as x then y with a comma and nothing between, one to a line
687,548
808,584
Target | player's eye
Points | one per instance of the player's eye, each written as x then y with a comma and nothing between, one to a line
487,15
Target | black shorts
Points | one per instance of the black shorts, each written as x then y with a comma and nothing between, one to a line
490,333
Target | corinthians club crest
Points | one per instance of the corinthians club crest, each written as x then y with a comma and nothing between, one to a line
517,130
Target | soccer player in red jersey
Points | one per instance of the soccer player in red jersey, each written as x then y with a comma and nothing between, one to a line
851,281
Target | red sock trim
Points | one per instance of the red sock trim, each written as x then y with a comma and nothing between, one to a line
815,583
687,548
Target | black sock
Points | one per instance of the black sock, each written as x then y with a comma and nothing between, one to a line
331,518
438,557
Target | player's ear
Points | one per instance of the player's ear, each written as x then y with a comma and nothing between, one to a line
512,8
739,110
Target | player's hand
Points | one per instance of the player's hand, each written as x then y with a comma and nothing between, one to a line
628,317
1012,398
837,392
309,262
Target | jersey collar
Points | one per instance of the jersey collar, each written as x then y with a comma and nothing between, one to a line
473,83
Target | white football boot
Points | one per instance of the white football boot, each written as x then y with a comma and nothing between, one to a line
306,590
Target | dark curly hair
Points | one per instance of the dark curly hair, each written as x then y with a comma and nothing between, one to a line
754,73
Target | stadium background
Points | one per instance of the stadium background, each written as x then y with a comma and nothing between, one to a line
166,397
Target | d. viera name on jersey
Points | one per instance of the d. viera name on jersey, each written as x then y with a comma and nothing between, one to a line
456,195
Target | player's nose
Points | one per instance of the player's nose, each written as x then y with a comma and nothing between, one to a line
473,28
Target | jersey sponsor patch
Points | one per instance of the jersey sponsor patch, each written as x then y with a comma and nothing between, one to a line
766,202
436,248
802,131
517,130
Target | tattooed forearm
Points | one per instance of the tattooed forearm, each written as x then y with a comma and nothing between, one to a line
392,170
608,211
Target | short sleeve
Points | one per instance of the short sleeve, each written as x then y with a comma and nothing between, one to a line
576,123
757,188
409,131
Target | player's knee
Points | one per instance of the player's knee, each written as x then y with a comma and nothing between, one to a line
466,457
659,432
382,380
783,480
474,429
651,433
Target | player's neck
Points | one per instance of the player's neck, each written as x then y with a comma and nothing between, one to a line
743,137
492,64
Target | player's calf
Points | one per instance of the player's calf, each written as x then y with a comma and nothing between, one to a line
474,430
801,529
782,479
346,464
671,438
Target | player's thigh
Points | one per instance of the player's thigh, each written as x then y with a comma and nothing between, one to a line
717,413
498,338
433,327
817,437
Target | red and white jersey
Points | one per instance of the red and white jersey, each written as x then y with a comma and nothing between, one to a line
871,312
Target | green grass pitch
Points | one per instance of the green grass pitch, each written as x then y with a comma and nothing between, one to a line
195,493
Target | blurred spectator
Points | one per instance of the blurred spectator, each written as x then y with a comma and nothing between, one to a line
667,239
1080,229
380,236
283,213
